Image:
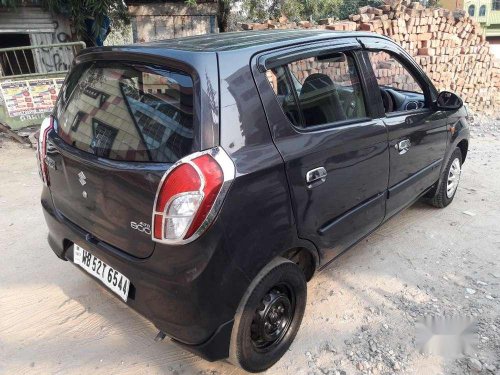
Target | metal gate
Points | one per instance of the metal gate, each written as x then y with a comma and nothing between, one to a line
30,79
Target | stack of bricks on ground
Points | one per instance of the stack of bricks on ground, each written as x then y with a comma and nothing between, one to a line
450,46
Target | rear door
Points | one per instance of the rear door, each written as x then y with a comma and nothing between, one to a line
118,127
335,150
417,132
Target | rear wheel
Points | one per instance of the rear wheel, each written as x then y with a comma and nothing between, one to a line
269,316
449,181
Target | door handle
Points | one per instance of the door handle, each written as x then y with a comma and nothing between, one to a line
403,146
315,177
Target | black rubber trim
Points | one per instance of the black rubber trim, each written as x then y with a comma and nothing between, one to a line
326,227
216,347
274,59
394,190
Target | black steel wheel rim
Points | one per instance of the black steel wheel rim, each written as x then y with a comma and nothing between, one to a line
273,317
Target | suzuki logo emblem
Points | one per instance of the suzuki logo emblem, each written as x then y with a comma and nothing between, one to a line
82,178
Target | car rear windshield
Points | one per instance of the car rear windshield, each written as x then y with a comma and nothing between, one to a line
128,112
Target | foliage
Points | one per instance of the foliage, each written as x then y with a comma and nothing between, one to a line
79,10
269,9
350,7
292,9
316,9
10,3
303,9
223,12
257,9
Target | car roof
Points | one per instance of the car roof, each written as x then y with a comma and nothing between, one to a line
265,39
189,49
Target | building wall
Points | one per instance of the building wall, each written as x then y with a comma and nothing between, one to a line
452,4
155,21
119,36
490,21
43,28
35,94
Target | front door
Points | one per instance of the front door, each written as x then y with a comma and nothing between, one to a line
417,133
335,154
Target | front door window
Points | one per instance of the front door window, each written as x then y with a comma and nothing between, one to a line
399,90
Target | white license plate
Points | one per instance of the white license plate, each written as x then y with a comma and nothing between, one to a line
110,277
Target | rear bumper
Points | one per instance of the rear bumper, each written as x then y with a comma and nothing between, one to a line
191,292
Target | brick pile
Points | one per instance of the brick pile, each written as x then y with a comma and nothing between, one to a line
450,46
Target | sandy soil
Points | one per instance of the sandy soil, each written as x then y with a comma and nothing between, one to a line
361,313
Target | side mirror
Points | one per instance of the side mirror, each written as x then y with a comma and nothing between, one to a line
447,100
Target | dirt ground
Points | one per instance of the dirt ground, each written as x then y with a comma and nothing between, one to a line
361,315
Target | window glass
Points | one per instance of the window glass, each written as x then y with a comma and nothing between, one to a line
482,11
398,88
495,5
326,87
284,93
471,11
128,112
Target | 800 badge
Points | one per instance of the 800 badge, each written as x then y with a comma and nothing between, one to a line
141,227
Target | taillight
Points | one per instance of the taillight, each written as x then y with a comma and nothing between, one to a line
41,153
189,196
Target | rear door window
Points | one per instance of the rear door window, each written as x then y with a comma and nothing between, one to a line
319,90
128,112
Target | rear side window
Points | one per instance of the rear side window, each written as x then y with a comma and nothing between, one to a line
128,112
319,90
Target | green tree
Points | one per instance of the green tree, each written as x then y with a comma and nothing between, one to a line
316,9
303,9
349,7
292,9
99,10
223,12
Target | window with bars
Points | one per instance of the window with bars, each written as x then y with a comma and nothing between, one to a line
103,138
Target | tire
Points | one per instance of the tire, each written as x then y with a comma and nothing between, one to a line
254,345
442,197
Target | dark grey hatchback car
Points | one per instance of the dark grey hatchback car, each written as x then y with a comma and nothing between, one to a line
205,180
